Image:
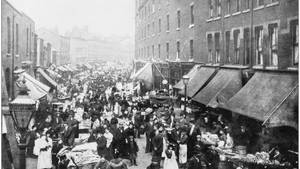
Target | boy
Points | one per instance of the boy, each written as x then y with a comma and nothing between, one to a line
133,149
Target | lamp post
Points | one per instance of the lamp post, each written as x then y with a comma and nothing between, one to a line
21,110
185,80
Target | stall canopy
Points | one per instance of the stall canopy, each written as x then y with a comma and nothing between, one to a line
201,77
145,74
37,90
221,88
53,73
268,95
47,77
192,72
61,68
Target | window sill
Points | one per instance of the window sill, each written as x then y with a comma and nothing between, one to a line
17,55
273,4
258,67
245,11
258,8
236,66
236,13
209,20
8,54
293,68
168,31
217,18
272,67
191,26
177,29
226,16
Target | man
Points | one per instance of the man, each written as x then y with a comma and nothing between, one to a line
191,138
157,143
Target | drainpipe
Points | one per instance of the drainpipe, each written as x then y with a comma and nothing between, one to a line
252,59
13,59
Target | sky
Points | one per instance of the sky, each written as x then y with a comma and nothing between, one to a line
103,17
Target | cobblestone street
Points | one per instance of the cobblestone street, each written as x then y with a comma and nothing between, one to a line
143,159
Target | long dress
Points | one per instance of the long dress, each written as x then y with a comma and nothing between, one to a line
171,163
44,156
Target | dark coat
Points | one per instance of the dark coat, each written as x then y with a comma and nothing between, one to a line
157,143
101,146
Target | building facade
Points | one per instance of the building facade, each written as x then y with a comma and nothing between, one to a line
17,41
259,34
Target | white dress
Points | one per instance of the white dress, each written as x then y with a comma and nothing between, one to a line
44,157
182,153
171,163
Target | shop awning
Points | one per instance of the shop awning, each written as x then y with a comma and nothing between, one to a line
198,81
262,94
191,74
47,77
37,90
145,74
221,88
286,114
53,73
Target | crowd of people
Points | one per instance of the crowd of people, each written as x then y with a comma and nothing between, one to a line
103,110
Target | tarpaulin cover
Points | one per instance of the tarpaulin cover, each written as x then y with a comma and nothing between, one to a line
37,90
198,80
221,88
191,74
146,75
47,77
263,92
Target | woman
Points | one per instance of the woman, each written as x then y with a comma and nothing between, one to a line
43,148
170,160
183,148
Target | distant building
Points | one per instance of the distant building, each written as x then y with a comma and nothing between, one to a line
60,44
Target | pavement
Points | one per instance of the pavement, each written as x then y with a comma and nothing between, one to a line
143,159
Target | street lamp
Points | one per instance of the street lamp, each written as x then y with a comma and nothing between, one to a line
185,80
21,109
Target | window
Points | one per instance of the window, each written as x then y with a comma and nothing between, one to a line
159,25
260,2
152,51
211,8
153,28
191,49
27,41
236,36
153,6
219,7
168,22
17,38
238,5
178,49
148,52
246,46
158,50
148,30
258,45
167,50
228,6
8,35
273,48
7,80
247,4
209,47
227,43
192,14
178,19
295,41
217,47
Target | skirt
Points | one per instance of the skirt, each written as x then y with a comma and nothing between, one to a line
182,153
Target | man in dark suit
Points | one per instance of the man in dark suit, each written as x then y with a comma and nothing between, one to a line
157,143
192,139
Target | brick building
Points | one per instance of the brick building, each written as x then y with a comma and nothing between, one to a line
17,41
218,33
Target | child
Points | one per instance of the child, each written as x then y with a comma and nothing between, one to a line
170,160
133,149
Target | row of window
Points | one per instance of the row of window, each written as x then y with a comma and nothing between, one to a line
150,28
233,6
214,47
17,41
146,53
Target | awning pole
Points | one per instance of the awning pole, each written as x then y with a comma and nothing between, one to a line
159,72
277,107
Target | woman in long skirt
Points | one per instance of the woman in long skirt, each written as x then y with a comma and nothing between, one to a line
170,159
